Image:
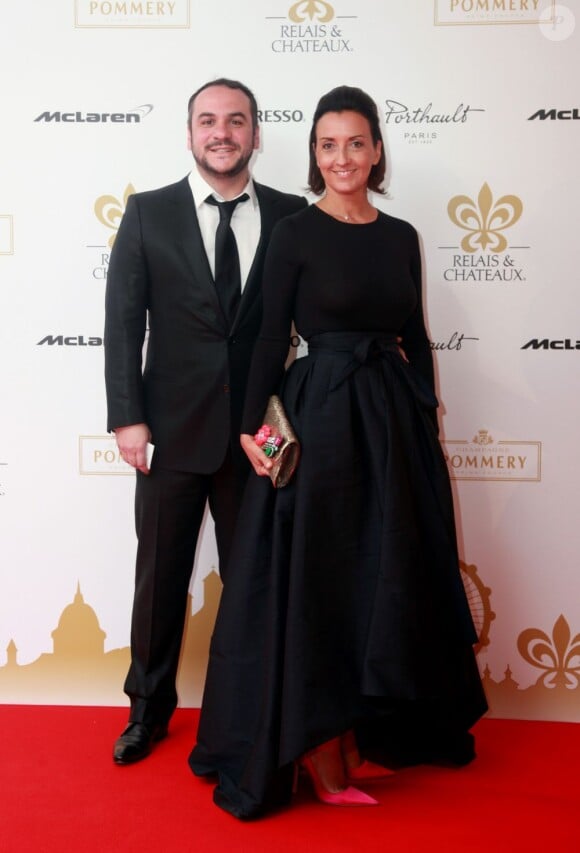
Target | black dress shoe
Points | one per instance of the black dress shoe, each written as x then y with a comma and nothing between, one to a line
136,742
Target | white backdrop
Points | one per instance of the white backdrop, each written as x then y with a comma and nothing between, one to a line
481,115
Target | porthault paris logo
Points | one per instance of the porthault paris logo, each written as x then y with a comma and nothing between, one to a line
311,26
109,211
481,256
422,125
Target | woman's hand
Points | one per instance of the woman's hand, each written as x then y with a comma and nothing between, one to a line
402,352
260,462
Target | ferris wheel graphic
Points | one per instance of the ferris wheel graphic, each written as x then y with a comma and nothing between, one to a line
478,597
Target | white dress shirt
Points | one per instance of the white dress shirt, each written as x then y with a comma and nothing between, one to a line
245,222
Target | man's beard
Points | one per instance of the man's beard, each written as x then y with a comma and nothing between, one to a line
236,169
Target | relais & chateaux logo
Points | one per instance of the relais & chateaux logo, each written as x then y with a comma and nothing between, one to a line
312,26
109,210
482,255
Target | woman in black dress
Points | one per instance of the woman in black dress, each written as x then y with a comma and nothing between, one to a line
344,629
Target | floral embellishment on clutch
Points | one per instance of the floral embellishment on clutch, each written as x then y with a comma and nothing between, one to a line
268,440
279,442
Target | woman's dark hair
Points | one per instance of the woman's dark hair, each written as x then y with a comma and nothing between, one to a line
354,100
229,84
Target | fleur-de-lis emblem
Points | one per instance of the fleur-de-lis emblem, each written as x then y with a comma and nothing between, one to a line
558,655
485,220
109,210
318,9
483,437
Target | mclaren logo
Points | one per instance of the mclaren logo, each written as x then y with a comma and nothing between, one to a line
134,116
556,115
546,343
70,341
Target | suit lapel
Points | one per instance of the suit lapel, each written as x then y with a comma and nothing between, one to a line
254,281
188,235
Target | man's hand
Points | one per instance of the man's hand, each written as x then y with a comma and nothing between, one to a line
132,442
260,462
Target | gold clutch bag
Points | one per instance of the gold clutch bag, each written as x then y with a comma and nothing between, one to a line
279,442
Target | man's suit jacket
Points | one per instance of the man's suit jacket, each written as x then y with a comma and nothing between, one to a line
191,390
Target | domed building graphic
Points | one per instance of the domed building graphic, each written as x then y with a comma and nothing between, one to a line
78,633
79,671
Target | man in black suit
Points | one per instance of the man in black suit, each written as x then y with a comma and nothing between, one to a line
187,399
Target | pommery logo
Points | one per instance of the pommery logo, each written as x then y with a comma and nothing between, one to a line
138,14
465,12
99,454
481,256
312,26
484,458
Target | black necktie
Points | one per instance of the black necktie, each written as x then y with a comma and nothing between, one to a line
227,262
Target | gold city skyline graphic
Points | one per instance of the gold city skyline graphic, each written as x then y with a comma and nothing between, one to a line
80,671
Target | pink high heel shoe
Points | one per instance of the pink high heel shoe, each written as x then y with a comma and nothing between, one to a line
367,771
347,797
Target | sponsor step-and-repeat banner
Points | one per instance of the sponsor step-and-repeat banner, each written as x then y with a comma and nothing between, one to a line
480,110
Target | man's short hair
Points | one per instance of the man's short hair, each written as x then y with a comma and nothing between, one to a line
230,84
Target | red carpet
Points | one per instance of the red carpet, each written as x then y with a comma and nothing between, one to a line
60,791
